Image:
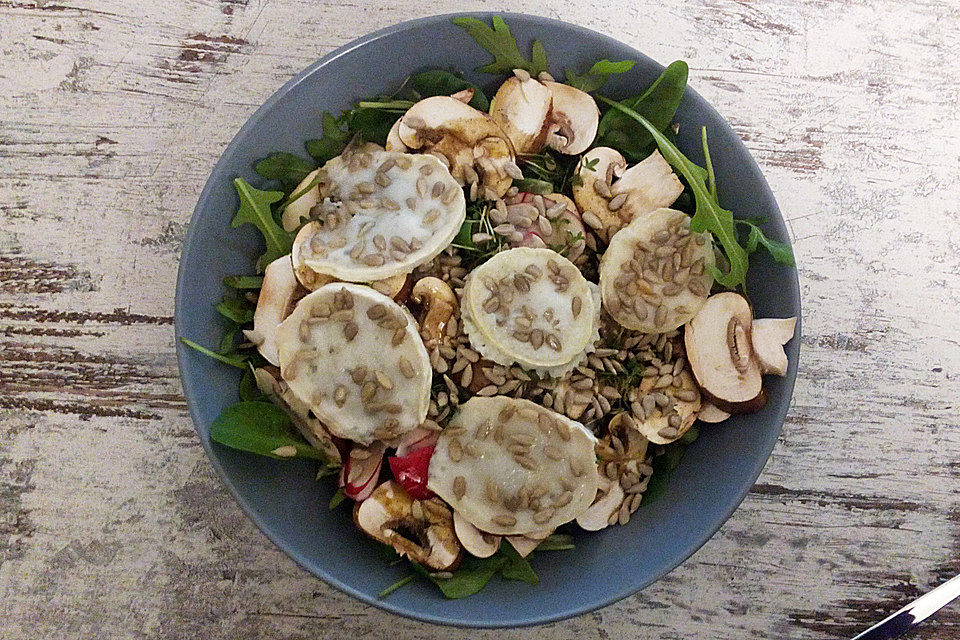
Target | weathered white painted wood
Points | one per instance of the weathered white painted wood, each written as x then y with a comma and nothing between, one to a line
112,524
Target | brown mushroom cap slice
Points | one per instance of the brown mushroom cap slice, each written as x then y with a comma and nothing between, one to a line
768,336
299,209
574,118
617,195
509,466
473,144
354,356
532,307
278,295
521,108
396,211
475,542
439,305
655,274
421,530
721,356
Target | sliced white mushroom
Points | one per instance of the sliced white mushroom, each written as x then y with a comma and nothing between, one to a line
299,209
709,413
394,286
655,274
278,295
306,423
557,226
672,410
511,467
597,515
574,118
768,337
613,202
532,307
721,356
383,214
421,530
354,356
527,544
473,145
394,143
475,542
521,108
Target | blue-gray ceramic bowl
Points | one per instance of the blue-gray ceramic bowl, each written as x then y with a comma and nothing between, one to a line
283,498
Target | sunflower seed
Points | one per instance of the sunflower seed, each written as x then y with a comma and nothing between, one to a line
504,520
542,517
668,433
459,487
591,218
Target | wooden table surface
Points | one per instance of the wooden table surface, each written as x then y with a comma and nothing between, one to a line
112,113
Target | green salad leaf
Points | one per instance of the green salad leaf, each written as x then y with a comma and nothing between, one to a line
534,185
337,499
517,567
373,123
779,251
658,104
334,140
262,428
439,82
474,573
237,310
556,542
709,215
286,168
594,78
500,42
243,282
255,209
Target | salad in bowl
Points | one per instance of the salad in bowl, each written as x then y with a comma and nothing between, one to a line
493,321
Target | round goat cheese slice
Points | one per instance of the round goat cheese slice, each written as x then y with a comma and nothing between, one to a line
355,357
531,307
656,273
381,214
509,466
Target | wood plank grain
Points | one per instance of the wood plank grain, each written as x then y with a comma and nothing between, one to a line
112,523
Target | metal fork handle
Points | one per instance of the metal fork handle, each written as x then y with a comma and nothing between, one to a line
914,613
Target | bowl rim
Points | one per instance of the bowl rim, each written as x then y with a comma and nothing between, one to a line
755,468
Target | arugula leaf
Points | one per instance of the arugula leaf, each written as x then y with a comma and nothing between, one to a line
711,178
501,43
229,339
333,141
556,542
691,435
388,105
238,361
289,170
262,428
255,209
663,466
594,78
337,499
438,82
243,282
658,104
779,251
709,215
236,310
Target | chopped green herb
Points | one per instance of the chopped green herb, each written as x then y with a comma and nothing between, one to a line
556,542
533,185
402,582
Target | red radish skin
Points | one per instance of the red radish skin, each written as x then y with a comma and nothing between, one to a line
411,471
359,483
